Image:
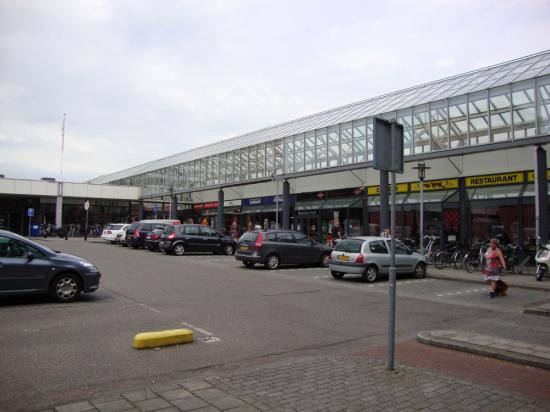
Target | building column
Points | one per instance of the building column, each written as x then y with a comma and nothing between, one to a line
365,230
384,201
141,210
220,216
286,205
541,194
59,206
464,216
174,207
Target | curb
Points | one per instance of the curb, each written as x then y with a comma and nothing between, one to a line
542,287
428,338
537,311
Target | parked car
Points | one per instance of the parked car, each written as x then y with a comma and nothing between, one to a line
181,239
370,258
29,267
112,230
152,239
275,247
137,232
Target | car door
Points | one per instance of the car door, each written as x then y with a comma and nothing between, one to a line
404,261
380,255
286,247
211,239
193,238
306,252
18,272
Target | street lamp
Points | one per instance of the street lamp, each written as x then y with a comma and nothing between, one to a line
421,167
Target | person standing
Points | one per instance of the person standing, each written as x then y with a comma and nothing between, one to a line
335,233
494,265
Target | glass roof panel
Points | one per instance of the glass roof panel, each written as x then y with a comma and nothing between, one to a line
523,68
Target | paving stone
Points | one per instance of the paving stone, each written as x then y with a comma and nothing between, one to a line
210,393
163,387
106,398
114,406
226,402
140,395
75,407
189,404
244,408
152,404
174,394
195,385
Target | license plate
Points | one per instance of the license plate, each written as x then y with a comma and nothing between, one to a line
343,257
161,243
148,237
243,247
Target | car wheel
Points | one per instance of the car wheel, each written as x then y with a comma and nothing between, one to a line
324,260
420,271
228,250
371,274
336,275
248,264
272,262
134,246
179,249
113,242
65,288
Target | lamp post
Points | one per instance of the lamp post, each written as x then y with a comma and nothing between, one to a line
421,167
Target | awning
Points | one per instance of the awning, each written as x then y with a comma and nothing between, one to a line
496,192
343,202
262,208
309,205
430,197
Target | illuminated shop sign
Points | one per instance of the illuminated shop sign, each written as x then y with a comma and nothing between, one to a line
432,185
497,179
399,188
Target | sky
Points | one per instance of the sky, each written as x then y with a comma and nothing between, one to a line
140,80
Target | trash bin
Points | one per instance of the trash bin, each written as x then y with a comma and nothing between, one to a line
35,230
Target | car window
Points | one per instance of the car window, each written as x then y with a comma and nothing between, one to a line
133,227
115,227
285,237
249,237
206,231
169,229
302,239
271,236
109,227
147,227
10,248
400,248
378,246
349,246
192,230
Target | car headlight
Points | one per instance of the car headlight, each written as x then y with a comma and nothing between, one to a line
89,267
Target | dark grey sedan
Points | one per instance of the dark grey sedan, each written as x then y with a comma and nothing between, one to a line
28,267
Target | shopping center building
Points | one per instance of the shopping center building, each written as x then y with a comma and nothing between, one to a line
484,135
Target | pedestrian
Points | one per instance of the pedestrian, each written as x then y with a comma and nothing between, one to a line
336,234
492,269
386,233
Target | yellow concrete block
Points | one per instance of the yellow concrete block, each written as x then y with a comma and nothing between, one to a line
162,338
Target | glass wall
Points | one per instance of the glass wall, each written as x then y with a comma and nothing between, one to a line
507,112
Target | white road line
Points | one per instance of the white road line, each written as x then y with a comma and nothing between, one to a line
149,307
203,331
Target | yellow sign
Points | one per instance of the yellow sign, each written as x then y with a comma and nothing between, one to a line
493,180
444,184
399,188
531,175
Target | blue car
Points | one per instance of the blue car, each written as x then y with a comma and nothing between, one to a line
28,267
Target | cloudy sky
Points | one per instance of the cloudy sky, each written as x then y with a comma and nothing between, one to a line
140,79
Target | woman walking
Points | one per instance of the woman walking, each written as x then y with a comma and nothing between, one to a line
494,265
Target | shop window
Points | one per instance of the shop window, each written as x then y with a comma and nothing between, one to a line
260,165
370,141
252,163
309,150
321,148
523,100
244,164
299,152
333,143
269,159
279,161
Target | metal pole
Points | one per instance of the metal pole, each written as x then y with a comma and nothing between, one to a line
86,227
392,280
29,225
421,216
277,206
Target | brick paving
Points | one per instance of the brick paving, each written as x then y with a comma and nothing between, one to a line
321,383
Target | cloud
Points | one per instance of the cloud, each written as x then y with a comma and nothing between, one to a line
141,80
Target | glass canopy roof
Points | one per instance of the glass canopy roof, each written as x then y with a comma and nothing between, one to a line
490,77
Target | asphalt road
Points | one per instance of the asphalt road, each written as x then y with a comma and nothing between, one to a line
50,352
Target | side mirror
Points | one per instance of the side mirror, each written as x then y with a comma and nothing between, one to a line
30,256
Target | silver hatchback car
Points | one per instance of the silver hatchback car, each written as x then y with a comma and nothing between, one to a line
370,257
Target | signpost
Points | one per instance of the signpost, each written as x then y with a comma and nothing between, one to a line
30,214
86,207
388,157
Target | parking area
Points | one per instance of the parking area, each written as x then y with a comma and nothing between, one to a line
239,316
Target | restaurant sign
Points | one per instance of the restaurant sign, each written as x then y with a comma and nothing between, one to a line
432,185
494,180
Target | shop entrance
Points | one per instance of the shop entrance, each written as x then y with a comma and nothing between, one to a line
308,224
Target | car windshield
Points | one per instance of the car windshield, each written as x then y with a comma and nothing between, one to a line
349,246
115,227
133,227
169,229
249,237
32,243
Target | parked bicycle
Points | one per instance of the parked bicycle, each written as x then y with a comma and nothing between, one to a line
451,255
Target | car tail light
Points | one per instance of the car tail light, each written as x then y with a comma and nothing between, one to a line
259,239
154,237
171,236
136,233
360,258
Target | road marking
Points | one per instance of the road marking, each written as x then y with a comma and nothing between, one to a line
210,339
149,307
203,331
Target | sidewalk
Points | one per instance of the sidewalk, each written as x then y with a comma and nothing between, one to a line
357,382
521,281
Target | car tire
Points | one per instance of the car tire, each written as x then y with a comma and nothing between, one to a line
113,242
135,246
370,274
272,262
228,250
420,271
248,264
65,288
179,249
336,275
324,260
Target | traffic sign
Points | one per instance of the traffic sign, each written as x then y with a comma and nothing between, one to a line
30,212
387,145
86,205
